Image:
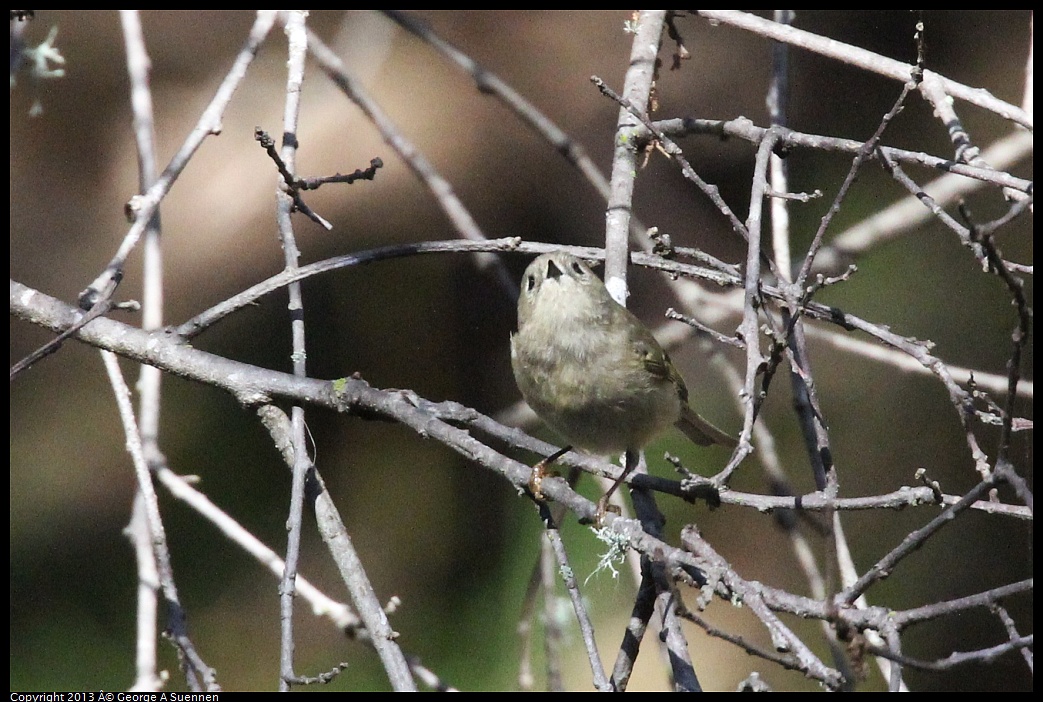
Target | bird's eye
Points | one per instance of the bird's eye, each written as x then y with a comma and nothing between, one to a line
577,269
530,282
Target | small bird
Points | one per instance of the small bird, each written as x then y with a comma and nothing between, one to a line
592,371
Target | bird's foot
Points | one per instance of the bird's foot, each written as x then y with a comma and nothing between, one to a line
539,472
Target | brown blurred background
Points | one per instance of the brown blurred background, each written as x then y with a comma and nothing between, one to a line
452,540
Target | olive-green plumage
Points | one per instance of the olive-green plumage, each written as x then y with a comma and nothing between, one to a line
590,369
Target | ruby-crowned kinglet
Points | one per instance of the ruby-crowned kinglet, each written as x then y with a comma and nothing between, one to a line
591,370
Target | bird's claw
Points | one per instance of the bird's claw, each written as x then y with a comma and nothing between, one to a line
604,508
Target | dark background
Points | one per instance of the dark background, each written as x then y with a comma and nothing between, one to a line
453,541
